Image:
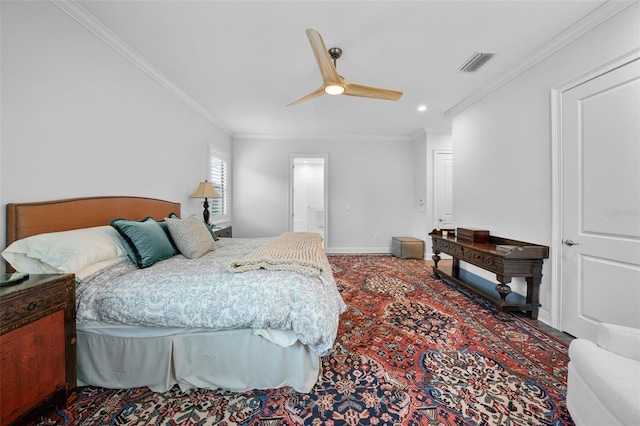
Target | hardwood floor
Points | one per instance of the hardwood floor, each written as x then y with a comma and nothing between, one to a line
561,336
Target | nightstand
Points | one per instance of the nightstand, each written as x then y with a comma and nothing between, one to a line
37,346
223,232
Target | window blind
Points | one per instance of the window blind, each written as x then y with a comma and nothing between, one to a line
218,175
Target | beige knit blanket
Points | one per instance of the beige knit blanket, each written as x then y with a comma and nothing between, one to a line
292,251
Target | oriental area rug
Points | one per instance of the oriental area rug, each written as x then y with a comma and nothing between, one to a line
410,350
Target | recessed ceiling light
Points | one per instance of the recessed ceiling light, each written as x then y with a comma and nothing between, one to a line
422,108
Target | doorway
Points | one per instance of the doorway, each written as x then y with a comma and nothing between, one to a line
598,176
443,189
308,183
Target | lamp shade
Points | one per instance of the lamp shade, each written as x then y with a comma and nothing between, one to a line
205,190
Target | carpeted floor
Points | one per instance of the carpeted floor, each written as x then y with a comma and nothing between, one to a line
411,350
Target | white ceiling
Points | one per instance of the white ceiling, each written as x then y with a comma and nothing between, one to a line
244,61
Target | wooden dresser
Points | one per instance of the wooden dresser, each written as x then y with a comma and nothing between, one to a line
223,232
37,346
505,257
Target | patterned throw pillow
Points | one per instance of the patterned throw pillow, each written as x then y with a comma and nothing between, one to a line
191,236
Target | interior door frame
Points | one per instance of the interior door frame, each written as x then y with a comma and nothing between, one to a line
292,158
436,156
557,195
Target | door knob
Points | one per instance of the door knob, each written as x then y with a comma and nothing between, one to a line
570,243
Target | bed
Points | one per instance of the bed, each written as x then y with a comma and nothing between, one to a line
214,330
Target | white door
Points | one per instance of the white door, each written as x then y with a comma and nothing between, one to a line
600,270
443,197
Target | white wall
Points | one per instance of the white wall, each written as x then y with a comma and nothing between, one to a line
502,144
420,201
424,220
79,120
370,189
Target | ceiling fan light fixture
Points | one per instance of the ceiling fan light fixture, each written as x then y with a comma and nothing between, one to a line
334,89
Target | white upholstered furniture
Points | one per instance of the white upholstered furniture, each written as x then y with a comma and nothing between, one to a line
604,378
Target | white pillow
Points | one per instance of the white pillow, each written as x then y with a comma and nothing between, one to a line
97,267
64,252
191,236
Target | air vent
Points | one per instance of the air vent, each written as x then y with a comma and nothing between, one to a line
476,61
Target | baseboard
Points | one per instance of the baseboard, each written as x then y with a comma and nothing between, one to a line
358,250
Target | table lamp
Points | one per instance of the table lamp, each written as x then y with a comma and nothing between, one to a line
205,190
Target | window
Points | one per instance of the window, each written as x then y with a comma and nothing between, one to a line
218,175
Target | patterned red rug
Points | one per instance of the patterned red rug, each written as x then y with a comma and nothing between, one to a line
411,350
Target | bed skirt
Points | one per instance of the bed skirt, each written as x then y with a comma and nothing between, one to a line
236,360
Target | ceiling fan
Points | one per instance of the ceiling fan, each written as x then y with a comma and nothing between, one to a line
332,82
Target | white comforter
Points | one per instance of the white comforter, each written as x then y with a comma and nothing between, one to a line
192,293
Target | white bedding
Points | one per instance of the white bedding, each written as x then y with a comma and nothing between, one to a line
282,338
235,360
202,293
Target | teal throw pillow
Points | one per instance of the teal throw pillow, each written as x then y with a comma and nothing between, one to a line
165,228
145,240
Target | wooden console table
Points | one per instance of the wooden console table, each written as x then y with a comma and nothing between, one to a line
521,260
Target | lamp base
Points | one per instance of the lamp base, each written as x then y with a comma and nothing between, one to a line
205,213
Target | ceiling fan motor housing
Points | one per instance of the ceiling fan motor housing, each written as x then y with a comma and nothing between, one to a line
335,53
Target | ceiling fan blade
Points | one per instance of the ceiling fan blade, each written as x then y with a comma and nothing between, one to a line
355,89
311,95
327,69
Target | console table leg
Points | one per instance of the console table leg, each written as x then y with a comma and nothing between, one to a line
455,267
503,288
436,259
533,294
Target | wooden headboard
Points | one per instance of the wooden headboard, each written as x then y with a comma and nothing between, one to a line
26,219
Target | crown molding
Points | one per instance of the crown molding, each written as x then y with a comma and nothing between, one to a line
438,130
95,26
592,20
325,137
